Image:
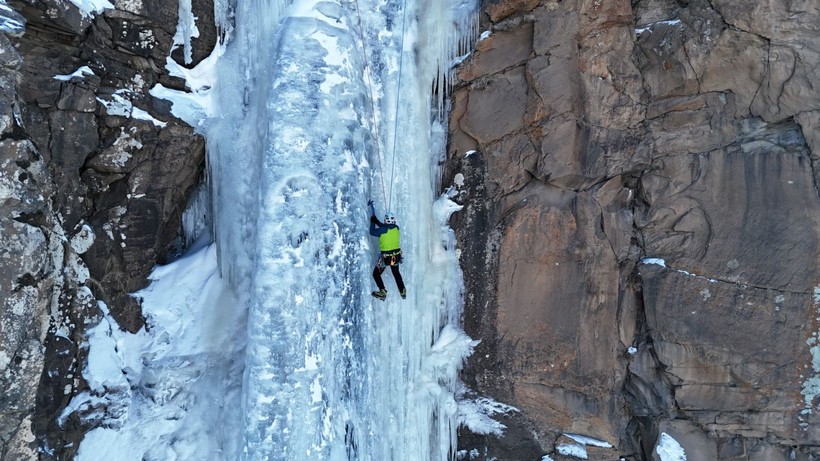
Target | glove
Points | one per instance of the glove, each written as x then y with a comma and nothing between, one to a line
370,203
374,219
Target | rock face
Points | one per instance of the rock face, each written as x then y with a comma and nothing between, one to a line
94,175
607,132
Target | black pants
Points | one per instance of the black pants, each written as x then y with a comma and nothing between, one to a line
377,275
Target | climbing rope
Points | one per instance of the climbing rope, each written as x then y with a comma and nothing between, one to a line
387,197
398,94
372,105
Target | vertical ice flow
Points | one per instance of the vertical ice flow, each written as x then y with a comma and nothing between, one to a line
338,98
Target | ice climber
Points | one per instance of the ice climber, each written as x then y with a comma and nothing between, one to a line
388,234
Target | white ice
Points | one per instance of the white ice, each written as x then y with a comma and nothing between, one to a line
308,110
186,30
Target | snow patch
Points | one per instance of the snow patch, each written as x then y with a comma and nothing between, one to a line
586,440
120,106
89,8
81,73
449,352
478,414
170,371
82,240
444,207
462,455
648,27
197,104
656,261
662,263
668,449
107,400
572,449
11,21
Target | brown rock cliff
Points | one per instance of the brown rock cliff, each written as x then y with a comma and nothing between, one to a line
92,198
609,131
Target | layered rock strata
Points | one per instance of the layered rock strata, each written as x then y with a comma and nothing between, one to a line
590,135
94,175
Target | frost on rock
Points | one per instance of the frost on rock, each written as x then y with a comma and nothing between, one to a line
132,6
75,268
811,386
116,157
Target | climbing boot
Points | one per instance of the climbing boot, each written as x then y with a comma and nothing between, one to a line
381,294
403,293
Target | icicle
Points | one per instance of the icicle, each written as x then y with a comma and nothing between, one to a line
196,216
449,31
249,30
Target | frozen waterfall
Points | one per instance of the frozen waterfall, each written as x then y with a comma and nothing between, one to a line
309,109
